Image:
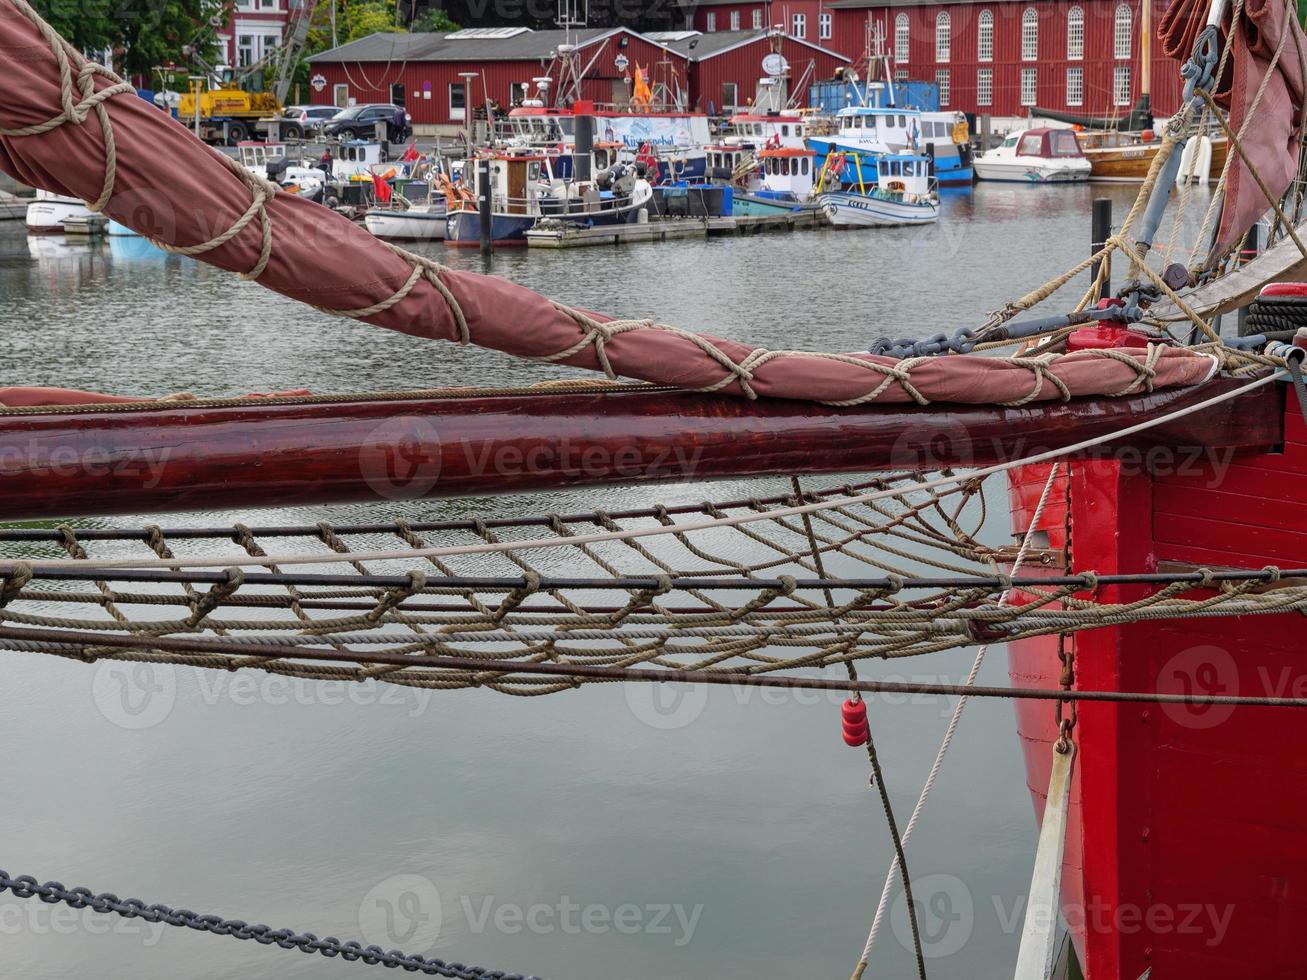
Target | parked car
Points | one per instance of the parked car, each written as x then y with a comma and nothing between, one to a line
360,122
311,117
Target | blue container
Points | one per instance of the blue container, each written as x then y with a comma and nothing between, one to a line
833,95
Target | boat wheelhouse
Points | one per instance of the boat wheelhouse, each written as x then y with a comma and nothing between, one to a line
788,129
782,181
1035,156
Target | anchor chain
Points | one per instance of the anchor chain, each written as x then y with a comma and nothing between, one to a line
53,893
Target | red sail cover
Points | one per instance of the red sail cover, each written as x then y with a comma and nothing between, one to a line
174,189
1271,139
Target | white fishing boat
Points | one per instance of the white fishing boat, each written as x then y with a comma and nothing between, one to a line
47,212
272,161
1035,156
904,195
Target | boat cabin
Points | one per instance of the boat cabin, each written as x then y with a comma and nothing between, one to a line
772,129
516,181
356,158
879,128
724,161
255,155
787,171
1047,143
903,173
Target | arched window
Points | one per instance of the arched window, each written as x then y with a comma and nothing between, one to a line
1075,34
901,39
985,37
943,37
1122,33
1030,35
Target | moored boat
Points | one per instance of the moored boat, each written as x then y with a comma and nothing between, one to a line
1126,157
904,195
47,212
1035,156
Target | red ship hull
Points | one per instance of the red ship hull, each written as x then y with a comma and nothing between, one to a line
1186,847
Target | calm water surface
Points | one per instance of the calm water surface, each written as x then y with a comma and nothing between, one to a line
730,836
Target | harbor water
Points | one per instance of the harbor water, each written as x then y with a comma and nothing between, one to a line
612,832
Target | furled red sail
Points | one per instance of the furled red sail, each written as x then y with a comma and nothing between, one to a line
1262,88
152,175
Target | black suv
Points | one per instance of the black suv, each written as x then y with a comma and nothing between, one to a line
360,122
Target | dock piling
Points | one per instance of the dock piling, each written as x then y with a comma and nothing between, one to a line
483,203
1100,232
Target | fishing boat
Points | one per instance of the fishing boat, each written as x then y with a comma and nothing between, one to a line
1035,156
47,212
904,195
524,191
1126,157
1151,598
869,131
424,222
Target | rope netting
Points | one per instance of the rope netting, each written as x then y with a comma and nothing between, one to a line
759,590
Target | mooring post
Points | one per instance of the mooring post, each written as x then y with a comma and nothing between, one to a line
483,203
1100,232
1249,252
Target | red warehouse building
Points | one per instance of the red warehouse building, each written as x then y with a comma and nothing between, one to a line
806,20
725,65
1001,58
425,72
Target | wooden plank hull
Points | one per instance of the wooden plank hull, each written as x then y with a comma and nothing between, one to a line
1186,850
153,457
1129,164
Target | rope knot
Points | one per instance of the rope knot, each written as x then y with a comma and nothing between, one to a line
218,593
14,583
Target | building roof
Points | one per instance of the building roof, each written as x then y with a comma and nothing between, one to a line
701,47
525,45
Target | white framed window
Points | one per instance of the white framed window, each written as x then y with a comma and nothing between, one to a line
730,95
712,20
457,101
943,37
1030,35
942,81
1029,86
757,19
901,75
246,45
340,95
984,86
1121,33
1121,85
1075,34
735,20
901,39
1075,86
799,26
826,26
985,36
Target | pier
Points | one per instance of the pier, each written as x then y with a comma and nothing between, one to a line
669,229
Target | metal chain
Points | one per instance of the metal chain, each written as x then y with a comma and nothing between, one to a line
53,893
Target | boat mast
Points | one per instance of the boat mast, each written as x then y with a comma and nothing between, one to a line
1146,54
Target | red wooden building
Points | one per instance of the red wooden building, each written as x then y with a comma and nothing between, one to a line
725,66
425,73
1000,58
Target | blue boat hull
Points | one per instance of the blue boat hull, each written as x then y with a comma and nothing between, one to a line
463,228
749,205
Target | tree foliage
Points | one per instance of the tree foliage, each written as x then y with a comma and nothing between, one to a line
140,34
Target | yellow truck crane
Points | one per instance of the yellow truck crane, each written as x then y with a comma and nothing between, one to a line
220,111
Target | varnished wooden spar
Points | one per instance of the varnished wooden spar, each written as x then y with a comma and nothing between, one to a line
175,457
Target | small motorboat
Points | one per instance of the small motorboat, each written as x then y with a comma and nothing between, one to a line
904,195
47,212
1035,156
403,220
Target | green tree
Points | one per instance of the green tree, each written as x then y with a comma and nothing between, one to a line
139,33
434,20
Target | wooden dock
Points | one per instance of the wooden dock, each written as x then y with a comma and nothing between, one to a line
668,229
